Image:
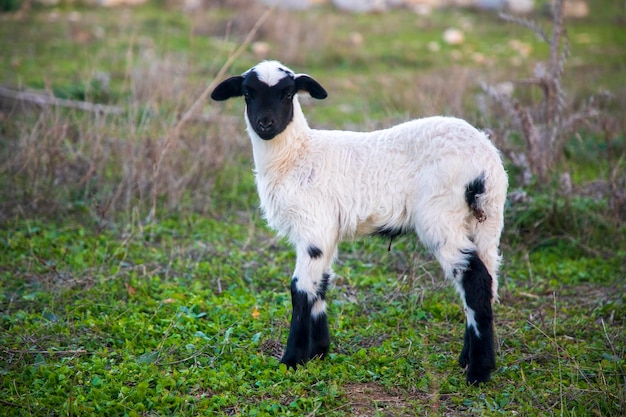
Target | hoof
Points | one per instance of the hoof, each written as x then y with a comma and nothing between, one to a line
293,359
477,377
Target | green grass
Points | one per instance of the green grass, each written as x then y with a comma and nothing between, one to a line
137,276
188,315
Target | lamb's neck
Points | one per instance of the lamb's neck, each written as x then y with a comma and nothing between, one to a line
273,157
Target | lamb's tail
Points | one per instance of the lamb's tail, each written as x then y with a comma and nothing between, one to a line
473,192
485,198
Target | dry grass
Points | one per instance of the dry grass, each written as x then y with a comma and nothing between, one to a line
288,39
60,161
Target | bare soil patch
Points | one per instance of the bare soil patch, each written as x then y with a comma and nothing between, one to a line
371,399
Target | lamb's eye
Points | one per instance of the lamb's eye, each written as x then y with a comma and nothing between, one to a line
288,95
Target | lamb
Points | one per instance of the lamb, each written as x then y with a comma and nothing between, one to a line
437,176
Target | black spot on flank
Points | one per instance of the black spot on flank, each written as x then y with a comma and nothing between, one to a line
314,252
389,232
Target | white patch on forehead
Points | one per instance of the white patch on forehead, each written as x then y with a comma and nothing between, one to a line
271,72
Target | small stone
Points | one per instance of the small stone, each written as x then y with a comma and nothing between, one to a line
453,36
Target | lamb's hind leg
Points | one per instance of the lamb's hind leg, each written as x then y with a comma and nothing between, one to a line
474,283
457,256
308,335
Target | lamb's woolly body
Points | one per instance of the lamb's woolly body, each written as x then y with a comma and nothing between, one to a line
438,176
322,186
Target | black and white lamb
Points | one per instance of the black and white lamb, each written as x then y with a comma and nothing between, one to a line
438,176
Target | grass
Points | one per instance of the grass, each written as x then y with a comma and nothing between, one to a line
137,276
188,316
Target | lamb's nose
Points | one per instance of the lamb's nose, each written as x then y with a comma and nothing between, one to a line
265,123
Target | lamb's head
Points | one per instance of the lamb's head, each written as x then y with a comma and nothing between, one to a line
269,89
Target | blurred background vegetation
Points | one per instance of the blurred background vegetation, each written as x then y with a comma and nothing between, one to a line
150,63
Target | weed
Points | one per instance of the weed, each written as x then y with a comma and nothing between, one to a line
546,128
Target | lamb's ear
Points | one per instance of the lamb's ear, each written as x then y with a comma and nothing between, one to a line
306,83
228,88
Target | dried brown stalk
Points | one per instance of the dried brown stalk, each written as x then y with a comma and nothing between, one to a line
545,138
44,100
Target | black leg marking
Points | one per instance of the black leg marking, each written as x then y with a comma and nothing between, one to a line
314,252
478,353
298,343
309,336
320,337
321,290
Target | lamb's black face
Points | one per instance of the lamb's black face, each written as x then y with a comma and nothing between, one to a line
269,89
269,108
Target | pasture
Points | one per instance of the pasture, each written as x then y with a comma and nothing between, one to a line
137,276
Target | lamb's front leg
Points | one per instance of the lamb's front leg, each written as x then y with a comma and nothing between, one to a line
298,344
308,335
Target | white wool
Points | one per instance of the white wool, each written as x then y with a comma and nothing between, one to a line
318,187
271,72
